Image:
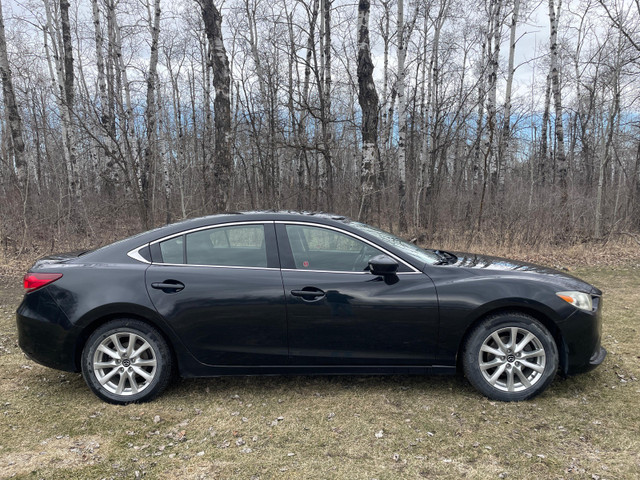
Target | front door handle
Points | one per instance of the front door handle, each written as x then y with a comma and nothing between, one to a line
168,286
308,293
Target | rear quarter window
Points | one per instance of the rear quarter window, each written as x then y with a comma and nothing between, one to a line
172,250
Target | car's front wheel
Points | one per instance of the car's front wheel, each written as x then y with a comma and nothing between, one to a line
126,361
510,357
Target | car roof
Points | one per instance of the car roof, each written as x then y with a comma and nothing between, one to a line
248,216
272,214
123,246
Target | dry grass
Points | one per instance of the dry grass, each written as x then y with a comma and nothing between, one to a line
325,427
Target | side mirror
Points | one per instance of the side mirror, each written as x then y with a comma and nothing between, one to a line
383,265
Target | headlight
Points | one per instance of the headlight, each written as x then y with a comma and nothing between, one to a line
580,300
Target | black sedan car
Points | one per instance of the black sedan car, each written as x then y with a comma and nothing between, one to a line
289,293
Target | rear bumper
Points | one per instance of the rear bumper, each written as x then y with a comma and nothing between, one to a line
45,334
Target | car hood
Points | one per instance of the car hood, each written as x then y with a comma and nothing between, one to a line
481,264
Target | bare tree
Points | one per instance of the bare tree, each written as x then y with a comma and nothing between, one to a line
151,150
544,129
494,41
561,160
325,81
222,103
428,146
177,121
624,19
505,133
13,113
107,134
58,30
69,102
368,98
402,120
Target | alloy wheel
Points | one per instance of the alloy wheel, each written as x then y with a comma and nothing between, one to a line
125,363
512,359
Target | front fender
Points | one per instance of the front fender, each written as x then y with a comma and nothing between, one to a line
465,298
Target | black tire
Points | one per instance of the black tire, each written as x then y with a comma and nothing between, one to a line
130,372
518,373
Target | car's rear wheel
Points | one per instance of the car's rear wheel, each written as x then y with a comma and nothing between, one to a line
126,361
510,357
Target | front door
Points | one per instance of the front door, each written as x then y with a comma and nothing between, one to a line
221,291
340,314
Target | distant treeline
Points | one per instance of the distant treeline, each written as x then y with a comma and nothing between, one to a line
406,113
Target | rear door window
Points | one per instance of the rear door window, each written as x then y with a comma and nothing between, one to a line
238,246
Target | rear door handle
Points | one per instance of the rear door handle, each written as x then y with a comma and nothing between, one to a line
308,293
168,286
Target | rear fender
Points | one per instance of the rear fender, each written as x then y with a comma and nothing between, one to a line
89,322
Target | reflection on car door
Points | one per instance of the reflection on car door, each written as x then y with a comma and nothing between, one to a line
340,314
221,291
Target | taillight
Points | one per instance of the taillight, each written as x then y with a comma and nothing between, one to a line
33,281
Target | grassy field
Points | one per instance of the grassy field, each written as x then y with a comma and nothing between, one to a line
588,426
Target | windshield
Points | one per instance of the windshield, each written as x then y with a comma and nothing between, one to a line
419,254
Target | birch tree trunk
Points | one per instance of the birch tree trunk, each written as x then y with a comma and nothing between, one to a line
108,133
368,99
493,43
120,106
69,100
544,142
325,114
13,114
151,150
614,111
61,51
387,101
102,82
207,144
477,147
561,161
505,134
402,122
221,105
385,33
424,120
303,161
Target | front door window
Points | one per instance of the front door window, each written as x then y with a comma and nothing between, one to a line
315,248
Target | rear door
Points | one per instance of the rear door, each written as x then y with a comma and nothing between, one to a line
220,288
340,314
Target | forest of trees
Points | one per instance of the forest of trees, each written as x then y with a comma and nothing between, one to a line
509,120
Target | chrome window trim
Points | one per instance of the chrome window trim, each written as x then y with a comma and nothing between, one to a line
207,227
358,237
340,271
135,254
214,266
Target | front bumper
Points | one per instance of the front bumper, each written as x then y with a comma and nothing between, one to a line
597,358
582,333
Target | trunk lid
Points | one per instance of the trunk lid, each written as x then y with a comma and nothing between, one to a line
57,258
